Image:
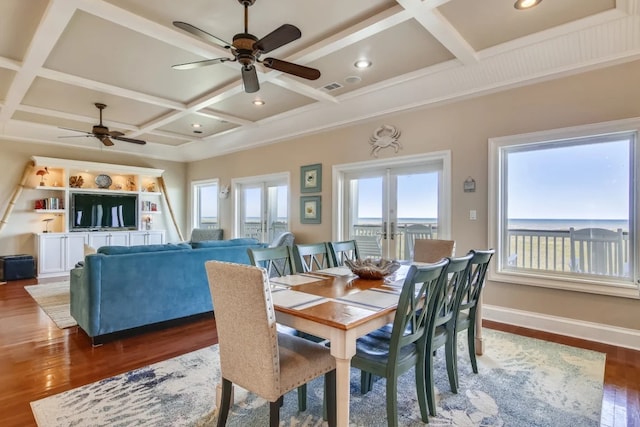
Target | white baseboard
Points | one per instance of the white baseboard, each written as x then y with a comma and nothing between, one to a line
606,334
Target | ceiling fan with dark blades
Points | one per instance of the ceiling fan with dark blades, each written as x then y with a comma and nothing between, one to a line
102,132
247,49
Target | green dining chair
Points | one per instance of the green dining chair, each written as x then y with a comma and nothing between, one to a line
311,256
441,329
469,298
390,358
276,260
346,249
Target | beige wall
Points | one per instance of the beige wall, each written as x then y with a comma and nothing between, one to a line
464,128
17,235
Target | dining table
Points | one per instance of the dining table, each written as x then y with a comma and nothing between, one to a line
339,306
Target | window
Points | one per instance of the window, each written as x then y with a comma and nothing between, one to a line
205,204
563,209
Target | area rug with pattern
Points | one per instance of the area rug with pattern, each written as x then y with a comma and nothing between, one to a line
53,298
522,382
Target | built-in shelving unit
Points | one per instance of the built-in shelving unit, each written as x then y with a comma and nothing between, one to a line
54,184
63,177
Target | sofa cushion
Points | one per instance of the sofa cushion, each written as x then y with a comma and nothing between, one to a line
224,243
121,250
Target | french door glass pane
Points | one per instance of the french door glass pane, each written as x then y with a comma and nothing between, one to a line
252,212
389,208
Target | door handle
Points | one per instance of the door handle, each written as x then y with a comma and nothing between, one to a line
393,226
384,230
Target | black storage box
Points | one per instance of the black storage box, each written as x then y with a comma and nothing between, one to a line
16,267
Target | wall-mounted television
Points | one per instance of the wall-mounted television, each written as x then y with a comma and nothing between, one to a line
91,211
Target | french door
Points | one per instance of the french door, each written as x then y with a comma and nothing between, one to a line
261,206
385,206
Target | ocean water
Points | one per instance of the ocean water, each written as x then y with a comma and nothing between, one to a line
565,224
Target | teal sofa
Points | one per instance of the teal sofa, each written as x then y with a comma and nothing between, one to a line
125,287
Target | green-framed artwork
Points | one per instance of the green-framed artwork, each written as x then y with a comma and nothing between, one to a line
311,178
310,209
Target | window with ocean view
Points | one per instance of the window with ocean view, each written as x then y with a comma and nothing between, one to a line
566,209
205,204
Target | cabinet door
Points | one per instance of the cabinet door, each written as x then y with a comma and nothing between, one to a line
155,238
119,239
137,238
97,240
51,253
74,243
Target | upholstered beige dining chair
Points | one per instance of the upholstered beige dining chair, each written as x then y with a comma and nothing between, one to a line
433,250
253,354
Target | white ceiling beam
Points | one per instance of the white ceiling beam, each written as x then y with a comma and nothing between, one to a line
10,64
170,36
362,30
110,89
53,22
223,117
433,21
74,117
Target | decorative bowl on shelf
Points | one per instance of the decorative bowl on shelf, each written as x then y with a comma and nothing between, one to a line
372,268
103,181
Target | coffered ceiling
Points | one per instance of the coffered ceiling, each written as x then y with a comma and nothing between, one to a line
59,57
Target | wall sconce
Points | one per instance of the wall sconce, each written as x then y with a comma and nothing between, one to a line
469,185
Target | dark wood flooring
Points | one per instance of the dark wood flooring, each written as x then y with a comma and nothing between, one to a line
37,359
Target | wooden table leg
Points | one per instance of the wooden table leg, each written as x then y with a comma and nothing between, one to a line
343,391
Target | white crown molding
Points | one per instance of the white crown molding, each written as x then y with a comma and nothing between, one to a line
606,334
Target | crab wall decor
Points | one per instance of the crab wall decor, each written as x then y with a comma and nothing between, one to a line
383,137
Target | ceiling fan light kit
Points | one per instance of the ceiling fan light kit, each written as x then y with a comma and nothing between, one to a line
247,49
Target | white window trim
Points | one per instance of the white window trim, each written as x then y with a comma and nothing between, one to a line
444,207
192,198
235,191
579,284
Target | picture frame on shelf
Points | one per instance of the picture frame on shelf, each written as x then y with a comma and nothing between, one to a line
311,178
310,209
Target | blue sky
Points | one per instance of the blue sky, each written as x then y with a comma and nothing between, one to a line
417,196
579,182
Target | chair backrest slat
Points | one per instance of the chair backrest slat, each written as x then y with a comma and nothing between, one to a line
412,314
447,299
347,249
276,260
478,267
311,256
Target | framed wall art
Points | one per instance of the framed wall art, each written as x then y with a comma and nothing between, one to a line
310,209
311,178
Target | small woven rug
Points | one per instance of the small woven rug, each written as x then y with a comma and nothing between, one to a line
53,298
522,382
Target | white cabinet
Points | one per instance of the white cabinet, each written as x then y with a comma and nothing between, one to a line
155,237
59,252
108,238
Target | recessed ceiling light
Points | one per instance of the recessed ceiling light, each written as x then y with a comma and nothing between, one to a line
526,4
196,125
362,63
258,102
